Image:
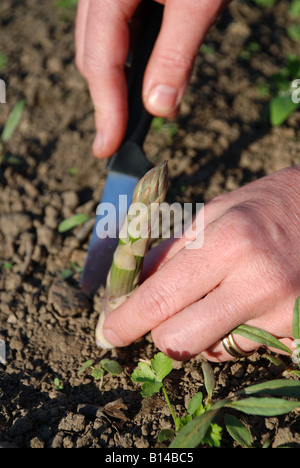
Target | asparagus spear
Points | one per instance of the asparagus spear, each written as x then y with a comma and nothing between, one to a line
134,237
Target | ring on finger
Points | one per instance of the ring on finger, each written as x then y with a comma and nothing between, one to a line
233,349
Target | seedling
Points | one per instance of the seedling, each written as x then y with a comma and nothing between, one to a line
98,372
73,171
151,377
67,4
9,128
160,125
3,60
294,8
57,384
69,272
6,266
282,105
293,32
265,3
72,222
252,48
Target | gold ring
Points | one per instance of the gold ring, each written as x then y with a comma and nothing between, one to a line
233,349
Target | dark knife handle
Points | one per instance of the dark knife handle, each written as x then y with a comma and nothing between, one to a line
139,119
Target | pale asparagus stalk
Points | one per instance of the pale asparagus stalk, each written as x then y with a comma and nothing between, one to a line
124,274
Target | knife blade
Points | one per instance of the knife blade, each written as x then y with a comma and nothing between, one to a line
127,165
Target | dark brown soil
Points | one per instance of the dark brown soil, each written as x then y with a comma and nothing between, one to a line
222,142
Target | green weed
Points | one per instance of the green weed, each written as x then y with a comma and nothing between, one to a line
7,133
98,372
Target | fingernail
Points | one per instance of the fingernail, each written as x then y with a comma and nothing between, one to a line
97,144
163,98
106,339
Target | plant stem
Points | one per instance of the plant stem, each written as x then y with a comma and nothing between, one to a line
171,409
134,236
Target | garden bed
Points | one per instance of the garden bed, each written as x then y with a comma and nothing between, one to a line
221,140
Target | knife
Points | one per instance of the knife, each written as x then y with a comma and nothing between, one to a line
127,165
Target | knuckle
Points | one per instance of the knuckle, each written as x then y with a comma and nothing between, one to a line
155,302
174,61
239,227
88,65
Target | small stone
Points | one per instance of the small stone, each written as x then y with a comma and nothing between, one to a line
45,236
67,300
13,224
70,199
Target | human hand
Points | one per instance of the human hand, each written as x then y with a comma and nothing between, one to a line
102,42
247,271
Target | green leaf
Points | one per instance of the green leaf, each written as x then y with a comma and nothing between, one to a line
293,66
294,8
278,387
213,435
277,361
3,60
111,366
192,434
97,373
72,222
195,403
293,32
157,124
209,378
13,121
238,431
165,435
162,366
13,160
6,266
260,336
266,3
150,388
65,274
265,406
296,320
281,107
85,366
143,373
67,4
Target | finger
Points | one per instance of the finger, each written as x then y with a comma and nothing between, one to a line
190,275
202,324
101,61
217,352
184,26
165,250
81,21
201,327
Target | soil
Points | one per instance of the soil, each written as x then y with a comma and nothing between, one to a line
222,141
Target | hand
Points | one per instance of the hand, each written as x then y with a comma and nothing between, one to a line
247,271
102,42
